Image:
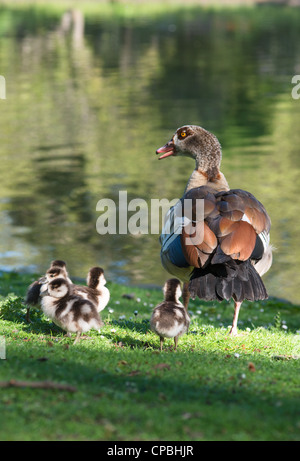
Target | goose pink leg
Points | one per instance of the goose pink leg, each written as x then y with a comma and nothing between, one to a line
233,330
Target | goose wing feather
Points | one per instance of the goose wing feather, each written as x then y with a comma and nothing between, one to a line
229,226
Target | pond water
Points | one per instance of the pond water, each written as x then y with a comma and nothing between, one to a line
90,97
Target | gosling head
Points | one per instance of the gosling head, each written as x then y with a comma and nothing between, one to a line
58,288
56,272
172,290
95,278
58,263
195,142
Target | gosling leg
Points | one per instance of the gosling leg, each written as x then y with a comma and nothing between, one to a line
175,342
161,343
28,315
77,337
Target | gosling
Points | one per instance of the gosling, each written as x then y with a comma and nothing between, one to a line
57,269
170,319
68,310
95,291
33,297
96,281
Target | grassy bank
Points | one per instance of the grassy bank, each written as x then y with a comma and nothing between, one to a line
119,387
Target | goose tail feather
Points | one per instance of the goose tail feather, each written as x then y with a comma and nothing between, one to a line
234,279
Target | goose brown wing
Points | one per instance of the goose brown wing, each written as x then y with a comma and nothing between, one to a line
237,204
229,226
198,240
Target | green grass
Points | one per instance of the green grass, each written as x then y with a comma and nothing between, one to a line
213,388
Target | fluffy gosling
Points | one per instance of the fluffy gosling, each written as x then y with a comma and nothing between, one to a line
68,310
57,269
96,291
96,281
33,298
170,319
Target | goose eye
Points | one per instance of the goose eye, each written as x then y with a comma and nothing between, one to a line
182,135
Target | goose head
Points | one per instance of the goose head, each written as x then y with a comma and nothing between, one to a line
195,142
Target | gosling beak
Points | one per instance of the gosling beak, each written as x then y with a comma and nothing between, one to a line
167,150
44,292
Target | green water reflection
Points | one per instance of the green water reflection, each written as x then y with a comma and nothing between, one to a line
88,102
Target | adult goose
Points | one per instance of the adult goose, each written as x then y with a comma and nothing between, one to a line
222,252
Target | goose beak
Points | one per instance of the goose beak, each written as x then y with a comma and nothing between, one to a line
167,150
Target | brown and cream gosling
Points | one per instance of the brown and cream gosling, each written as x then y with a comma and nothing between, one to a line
33,293
96,281
95,291
58,268
170,319
69,311
33,298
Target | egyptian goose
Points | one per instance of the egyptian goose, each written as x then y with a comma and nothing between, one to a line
228,259
169,318
33,296
66,309
58,268
33,292
96,291
96,281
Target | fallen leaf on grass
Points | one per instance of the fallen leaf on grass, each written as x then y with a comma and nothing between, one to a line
134,373
161,366
285,357
251,367
128,295
38,385
187,415
192,434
